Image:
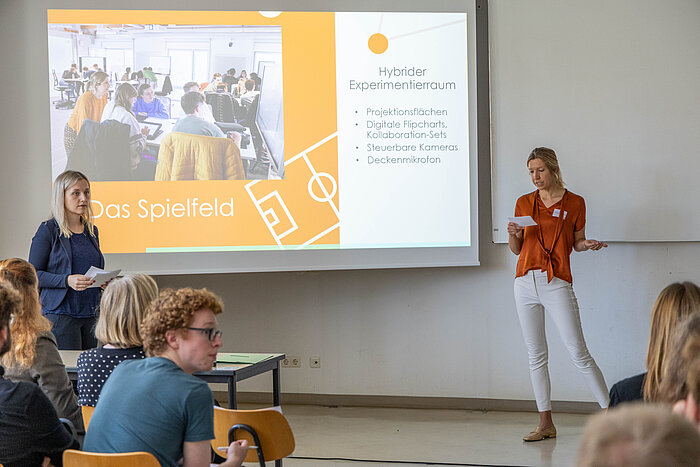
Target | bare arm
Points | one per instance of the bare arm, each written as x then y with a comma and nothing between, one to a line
197,453
583,244
515,237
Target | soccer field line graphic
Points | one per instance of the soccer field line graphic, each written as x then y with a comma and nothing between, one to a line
273,217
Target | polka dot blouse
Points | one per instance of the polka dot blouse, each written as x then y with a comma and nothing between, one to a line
95,366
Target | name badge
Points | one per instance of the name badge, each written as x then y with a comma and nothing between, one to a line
556,213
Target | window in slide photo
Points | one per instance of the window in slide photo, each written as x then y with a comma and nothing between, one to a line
161,102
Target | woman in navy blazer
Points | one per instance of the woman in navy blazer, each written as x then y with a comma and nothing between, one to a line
63,249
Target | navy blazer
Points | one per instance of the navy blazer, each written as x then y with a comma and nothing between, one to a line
51,256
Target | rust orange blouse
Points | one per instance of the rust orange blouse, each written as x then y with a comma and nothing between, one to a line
547,245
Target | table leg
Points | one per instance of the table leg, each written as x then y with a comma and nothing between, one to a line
276,386
232,404
276,397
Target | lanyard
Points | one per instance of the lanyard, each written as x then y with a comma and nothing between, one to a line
557,231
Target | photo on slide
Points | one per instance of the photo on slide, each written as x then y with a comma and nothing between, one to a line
166,102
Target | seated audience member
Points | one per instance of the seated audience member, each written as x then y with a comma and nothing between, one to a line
639,435
204,110
684,362
230,79
33,356
244,75
249,93
681,383
122,308
239,90
147,105
30,432
71,74
149,75
675,302
127,74
156,405
193,123
215,83
254,76
86,73
119,109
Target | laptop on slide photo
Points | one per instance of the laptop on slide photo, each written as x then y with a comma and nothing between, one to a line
155,130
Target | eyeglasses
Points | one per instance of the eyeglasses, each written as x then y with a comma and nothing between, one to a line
211,333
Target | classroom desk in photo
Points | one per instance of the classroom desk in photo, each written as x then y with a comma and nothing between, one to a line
79,84
229,373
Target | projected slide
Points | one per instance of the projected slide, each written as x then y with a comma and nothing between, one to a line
235,131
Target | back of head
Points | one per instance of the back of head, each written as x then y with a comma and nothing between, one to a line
10,302
122,310
674,303
174,310
249,85
639,435
125,92
190,101
681,362
28,321
190,86
64,181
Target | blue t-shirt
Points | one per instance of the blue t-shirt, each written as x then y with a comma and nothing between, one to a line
151,405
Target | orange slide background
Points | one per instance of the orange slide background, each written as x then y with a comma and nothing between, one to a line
308,60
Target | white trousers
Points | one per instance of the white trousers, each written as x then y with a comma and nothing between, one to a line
533,295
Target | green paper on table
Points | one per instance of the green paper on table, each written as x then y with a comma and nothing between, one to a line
247,358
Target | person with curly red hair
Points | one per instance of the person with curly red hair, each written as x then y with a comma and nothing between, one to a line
175,422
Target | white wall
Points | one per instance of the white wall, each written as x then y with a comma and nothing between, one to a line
449,332
429,332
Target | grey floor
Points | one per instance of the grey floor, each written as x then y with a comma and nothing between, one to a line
412,437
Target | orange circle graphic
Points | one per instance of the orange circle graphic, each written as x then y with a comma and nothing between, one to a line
378,43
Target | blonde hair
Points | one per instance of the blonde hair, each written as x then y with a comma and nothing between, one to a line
549,157
680,367
639,435
58,202
123,96
122,309
28,321
174,310
674,303
96,79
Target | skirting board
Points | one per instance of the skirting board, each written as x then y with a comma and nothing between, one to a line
408,402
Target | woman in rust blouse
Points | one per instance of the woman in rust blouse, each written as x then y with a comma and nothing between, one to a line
543,280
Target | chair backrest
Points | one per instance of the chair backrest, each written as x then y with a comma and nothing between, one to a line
73,458
272,428
183,156
222,107
87,411
239,111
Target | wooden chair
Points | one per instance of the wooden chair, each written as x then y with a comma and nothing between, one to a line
73,458
87,414
267,429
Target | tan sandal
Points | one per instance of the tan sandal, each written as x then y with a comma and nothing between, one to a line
538,434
